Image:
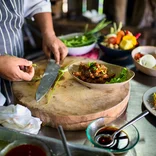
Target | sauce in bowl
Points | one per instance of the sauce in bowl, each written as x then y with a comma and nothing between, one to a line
26,150
121,140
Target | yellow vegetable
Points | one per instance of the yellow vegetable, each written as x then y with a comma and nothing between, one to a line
128,42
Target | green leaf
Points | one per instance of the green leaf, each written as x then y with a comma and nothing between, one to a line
121,77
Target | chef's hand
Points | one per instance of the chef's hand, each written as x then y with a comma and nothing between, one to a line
16,69
52,43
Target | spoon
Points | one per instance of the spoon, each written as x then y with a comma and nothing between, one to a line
110,138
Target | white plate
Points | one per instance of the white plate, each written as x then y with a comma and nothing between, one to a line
148,100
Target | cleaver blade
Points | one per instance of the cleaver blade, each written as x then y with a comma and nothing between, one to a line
48,79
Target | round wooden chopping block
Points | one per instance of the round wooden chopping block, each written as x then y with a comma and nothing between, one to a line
70,103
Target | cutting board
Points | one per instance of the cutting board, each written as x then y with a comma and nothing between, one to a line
70,103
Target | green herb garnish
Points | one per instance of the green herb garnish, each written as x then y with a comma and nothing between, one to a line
121,77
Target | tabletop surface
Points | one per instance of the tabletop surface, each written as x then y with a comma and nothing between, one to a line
146,126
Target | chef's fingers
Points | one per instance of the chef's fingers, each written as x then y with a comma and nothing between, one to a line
27,76
31,71
23,62
63,52
47,52
56,53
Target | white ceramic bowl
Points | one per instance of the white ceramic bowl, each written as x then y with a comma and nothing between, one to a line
144,50
77,50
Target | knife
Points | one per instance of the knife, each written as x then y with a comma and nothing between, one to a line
48,79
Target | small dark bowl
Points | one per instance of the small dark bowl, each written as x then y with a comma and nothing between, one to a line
114,53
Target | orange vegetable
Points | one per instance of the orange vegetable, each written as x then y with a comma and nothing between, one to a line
120,34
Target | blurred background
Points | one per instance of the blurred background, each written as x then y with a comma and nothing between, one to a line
72,15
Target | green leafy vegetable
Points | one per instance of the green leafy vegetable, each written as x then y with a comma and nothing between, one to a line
79,41
99,27
87,38
121,77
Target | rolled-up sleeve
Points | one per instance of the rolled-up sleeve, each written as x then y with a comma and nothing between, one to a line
32,7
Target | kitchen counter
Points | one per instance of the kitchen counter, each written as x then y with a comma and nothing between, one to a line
146,126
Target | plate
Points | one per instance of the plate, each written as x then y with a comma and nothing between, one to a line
111,69
148,100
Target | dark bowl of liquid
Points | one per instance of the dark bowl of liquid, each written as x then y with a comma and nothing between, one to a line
26,147
123,142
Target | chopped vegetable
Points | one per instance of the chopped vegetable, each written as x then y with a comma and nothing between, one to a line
128,42
138,56
34,65
60,74
112,40
120,35
79,41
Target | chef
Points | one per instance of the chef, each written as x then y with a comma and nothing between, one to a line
12,66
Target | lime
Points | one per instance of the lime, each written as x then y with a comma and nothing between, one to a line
148,61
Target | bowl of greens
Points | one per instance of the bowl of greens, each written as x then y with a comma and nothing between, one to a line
100,75
82,42
78,43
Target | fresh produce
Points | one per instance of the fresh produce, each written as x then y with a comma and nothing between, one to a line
120,39
87,38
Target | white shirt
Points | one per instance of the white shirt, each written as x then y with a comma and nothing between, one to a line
12,13
32,7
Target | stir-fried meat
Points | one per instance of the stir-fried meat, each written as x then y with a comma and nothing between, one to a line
93,72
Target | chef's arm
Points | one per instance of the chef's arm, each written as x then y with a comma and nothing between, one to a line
45,23
51,43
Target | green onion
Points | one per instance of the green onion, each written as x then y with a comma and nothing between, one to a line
87,38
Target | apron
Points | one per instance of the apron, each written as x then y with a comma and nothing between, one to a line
11,38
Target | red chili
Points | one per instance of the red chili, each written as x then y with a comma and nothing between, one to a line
138,35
